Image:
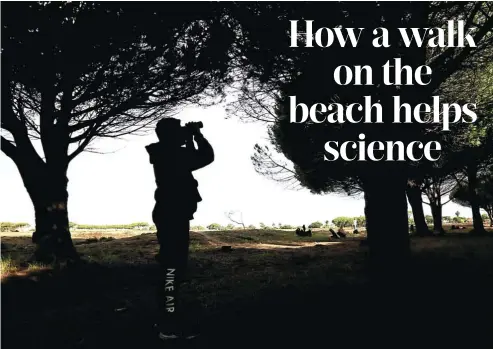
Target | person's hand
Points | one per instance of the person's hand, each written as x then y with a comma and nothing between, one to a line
194,127
198,134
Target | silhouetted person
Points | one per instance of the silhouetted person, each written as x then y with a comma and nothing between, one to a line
303,232
174,159
334,234
341,232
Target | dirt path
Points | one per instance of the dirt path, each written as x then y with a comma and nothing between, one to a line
215,242
276,246
209,239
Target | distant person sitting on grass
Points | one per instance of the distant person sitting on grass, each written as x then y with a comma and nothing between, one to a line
341,232
334,234
303,232
174,158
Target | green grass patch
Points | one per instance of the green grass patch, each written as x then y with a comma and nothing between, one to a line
8,265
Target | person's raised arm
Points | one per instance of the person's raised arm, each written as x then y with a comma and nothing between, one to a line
202,156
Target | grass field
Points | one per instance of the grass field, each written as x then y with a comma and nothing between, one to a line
273,289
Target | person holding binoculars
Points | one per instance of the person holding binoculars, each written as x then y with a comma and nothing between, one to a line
174,158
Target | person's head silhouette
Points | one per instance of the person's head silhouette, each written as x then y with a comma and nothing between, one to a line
170,131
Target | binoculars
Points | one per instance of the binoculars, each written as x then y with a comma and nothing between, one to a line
194,125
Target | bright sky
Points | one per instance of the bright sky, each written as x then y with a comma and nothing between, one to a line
118,187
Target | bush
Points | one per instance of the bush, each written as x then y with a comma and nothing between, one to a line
197,227
251,226
230,227
360,220
137,225
107,238
9,226
459,219
316,225
286,226
343,222
215,226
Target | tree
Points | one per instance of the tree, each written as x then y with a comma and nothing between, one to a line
435,186
484,193
215,226
302,144
230,227
342,222
316,225
360,220
473,142
429,219
459,220
286,226
9,226
414,196
236,217
457,214
197,227
73,72
485,217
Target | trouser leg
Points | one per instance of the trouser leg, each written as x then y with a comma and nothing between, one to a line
173,258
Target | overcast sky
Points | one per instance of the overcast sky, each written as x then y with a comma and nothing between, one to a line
118,187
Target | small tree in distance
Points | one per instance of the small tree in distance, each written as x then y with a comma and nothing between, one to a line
215,226
484,194
286,226
343,222
236,217
316,225
485,217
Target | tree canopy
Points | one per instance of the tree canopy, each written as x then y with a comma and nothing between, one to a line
484,192
73,72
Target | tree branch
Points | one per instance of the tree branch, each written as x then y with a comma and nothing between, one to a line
8,148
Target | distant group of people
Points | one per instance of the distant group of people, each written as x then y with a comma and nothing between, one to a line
303,232
341,233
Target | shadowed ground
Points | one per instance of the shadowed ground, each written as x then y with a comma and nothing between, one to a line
272,290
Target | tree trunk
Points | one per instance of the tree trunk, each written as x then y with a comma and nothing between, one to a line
489,212
387,228
416,202
436,212
472,178
48,191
